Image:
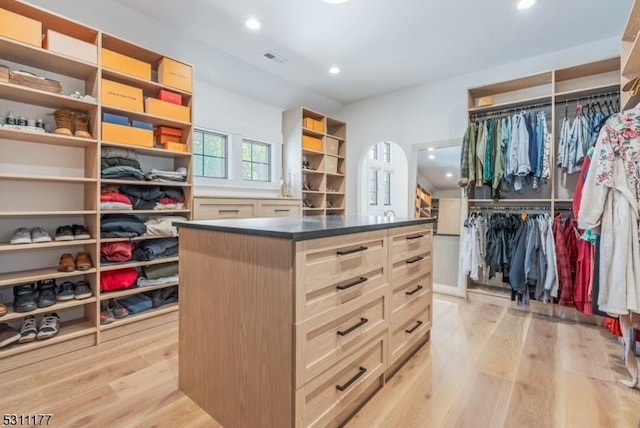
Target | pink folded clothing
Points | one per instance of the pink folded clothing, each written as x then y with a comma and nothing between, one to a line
121,251
118,279
115,197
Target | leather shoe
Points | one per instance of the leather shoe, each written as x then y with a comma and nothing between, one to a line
66,263
83,261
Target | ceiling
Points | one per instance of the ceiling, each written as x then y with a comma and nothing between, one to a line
447,160
386,45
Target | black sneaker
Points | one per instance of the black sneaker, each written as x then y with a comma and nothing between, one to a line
80,232
25,298
47,293
66,291
82,290
64,233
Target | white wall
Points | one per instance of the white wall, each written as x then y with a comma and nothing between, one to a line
436,112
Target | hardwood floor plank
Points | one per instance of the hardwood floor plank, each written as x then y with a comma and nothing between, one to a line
180,413
582,350
484,405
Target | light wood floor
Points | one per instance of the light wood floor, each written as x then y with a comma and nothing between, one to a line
486,366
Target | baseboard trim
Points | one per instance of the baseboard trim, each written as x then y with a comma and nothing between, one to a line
450,290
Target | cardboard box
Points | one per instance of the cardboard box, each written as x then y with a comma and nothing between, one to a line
127,135
167,110
332,145
318,126
20,28
308,123
166,130
4,73
126,97
331,164
170,97
125,64
175,74
70,46
142,125
177,147
115,118
311,143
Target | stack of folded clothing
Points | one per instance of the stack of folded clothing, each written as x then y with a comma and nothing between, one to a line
166,176
172,199
163,225
137,303
121,226
163,296
156,249
158,274
118,279
121,164
121,251
112,199
153,197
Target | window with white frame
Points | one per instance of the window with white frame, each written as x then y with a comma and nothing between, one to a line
210,154
386,188
256,161
380,175
373,187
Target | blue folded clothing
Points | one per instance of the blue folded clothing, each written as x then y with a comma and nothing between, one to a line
137,303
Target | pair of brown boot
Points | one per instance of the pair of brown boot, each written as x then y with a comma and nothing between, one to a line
81,262
64,120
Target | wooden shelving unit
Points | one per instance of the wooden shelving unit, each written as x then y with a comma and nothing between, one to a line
78,192
630,61
423,202
323,185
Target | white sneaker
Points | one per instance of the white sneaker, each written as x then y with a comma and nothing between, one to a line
21,236
39,235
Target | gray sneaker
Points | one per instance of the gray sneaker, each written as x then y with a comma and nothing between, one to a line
39,235
21,236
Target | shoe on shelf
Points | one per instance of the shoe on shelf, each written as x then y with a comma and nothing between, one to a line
66,263
80,232
81,126
21,236
29,330
49,327
64,233
83,261
106,314
39,235
3,308
308,203
82,290
25,298
46,293
66,291
8,335
117,309
63,122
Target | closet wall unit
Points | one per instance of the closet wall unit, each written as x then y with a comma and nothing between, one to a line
423,202
315,162
49,180
630,61
555,92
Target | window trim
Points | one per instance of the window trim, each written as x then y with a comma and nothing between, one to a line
386,189
225,150
269,163
375,185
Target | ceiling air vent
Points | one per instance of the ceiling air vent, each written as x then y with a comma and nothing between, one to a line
275,57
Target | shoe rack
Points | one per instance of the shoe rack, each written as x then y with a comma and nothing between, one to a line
315,160
50,180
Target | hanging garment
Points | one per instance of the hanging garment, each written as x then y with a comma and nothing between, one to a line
579,142
481,146
487,175
563,147
520,140
564,292
467,163
517,276
546,150
584,270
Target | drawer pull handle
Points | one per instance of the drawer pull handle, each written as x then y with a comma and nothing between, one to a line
353,250
229,211
411,293
414,328
418,236
414,259
353,379
360,323
352,284
283,211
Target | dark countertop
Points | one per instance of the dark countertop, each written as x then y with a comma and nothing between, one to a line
303,228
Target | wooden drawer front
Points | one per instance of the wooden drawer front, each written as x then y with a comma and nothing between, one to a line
410,268
410,293
223,209
407,328
320,403
411,241
325,340
274,209
335,295
330,261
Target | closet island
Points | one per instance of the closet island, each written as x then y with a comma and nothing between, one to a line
296,322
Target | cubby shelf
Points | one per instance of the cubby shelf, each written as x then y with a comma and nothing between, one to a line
149,151
158,212
151,313
45,138
105,267
145,85
24,94
59,306
135,239
147,183
7,247
68,331
33,275
134,290
148,118
47,178
46,213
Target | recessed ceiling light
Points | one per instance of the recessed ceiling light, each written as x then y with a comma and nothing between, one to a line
430,149
334,70
335,1
253,24
449,175
432,156
526,4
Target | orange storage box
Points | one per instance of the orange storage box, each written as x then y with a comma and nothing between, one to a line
127,135
170,97
318,126
125,64
175,74
167,110
70,46
21,28
166,130
311,143
176,147
126,97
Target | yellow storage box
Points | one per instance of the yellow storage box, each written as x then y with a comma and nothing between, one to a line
70,46
20,28
311,143
176,147
125,64
126,97
127,135
175,74
167,110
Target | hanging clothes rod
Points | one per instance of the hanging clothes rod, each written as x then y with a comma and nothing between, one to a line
542,210
509,111
589,97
